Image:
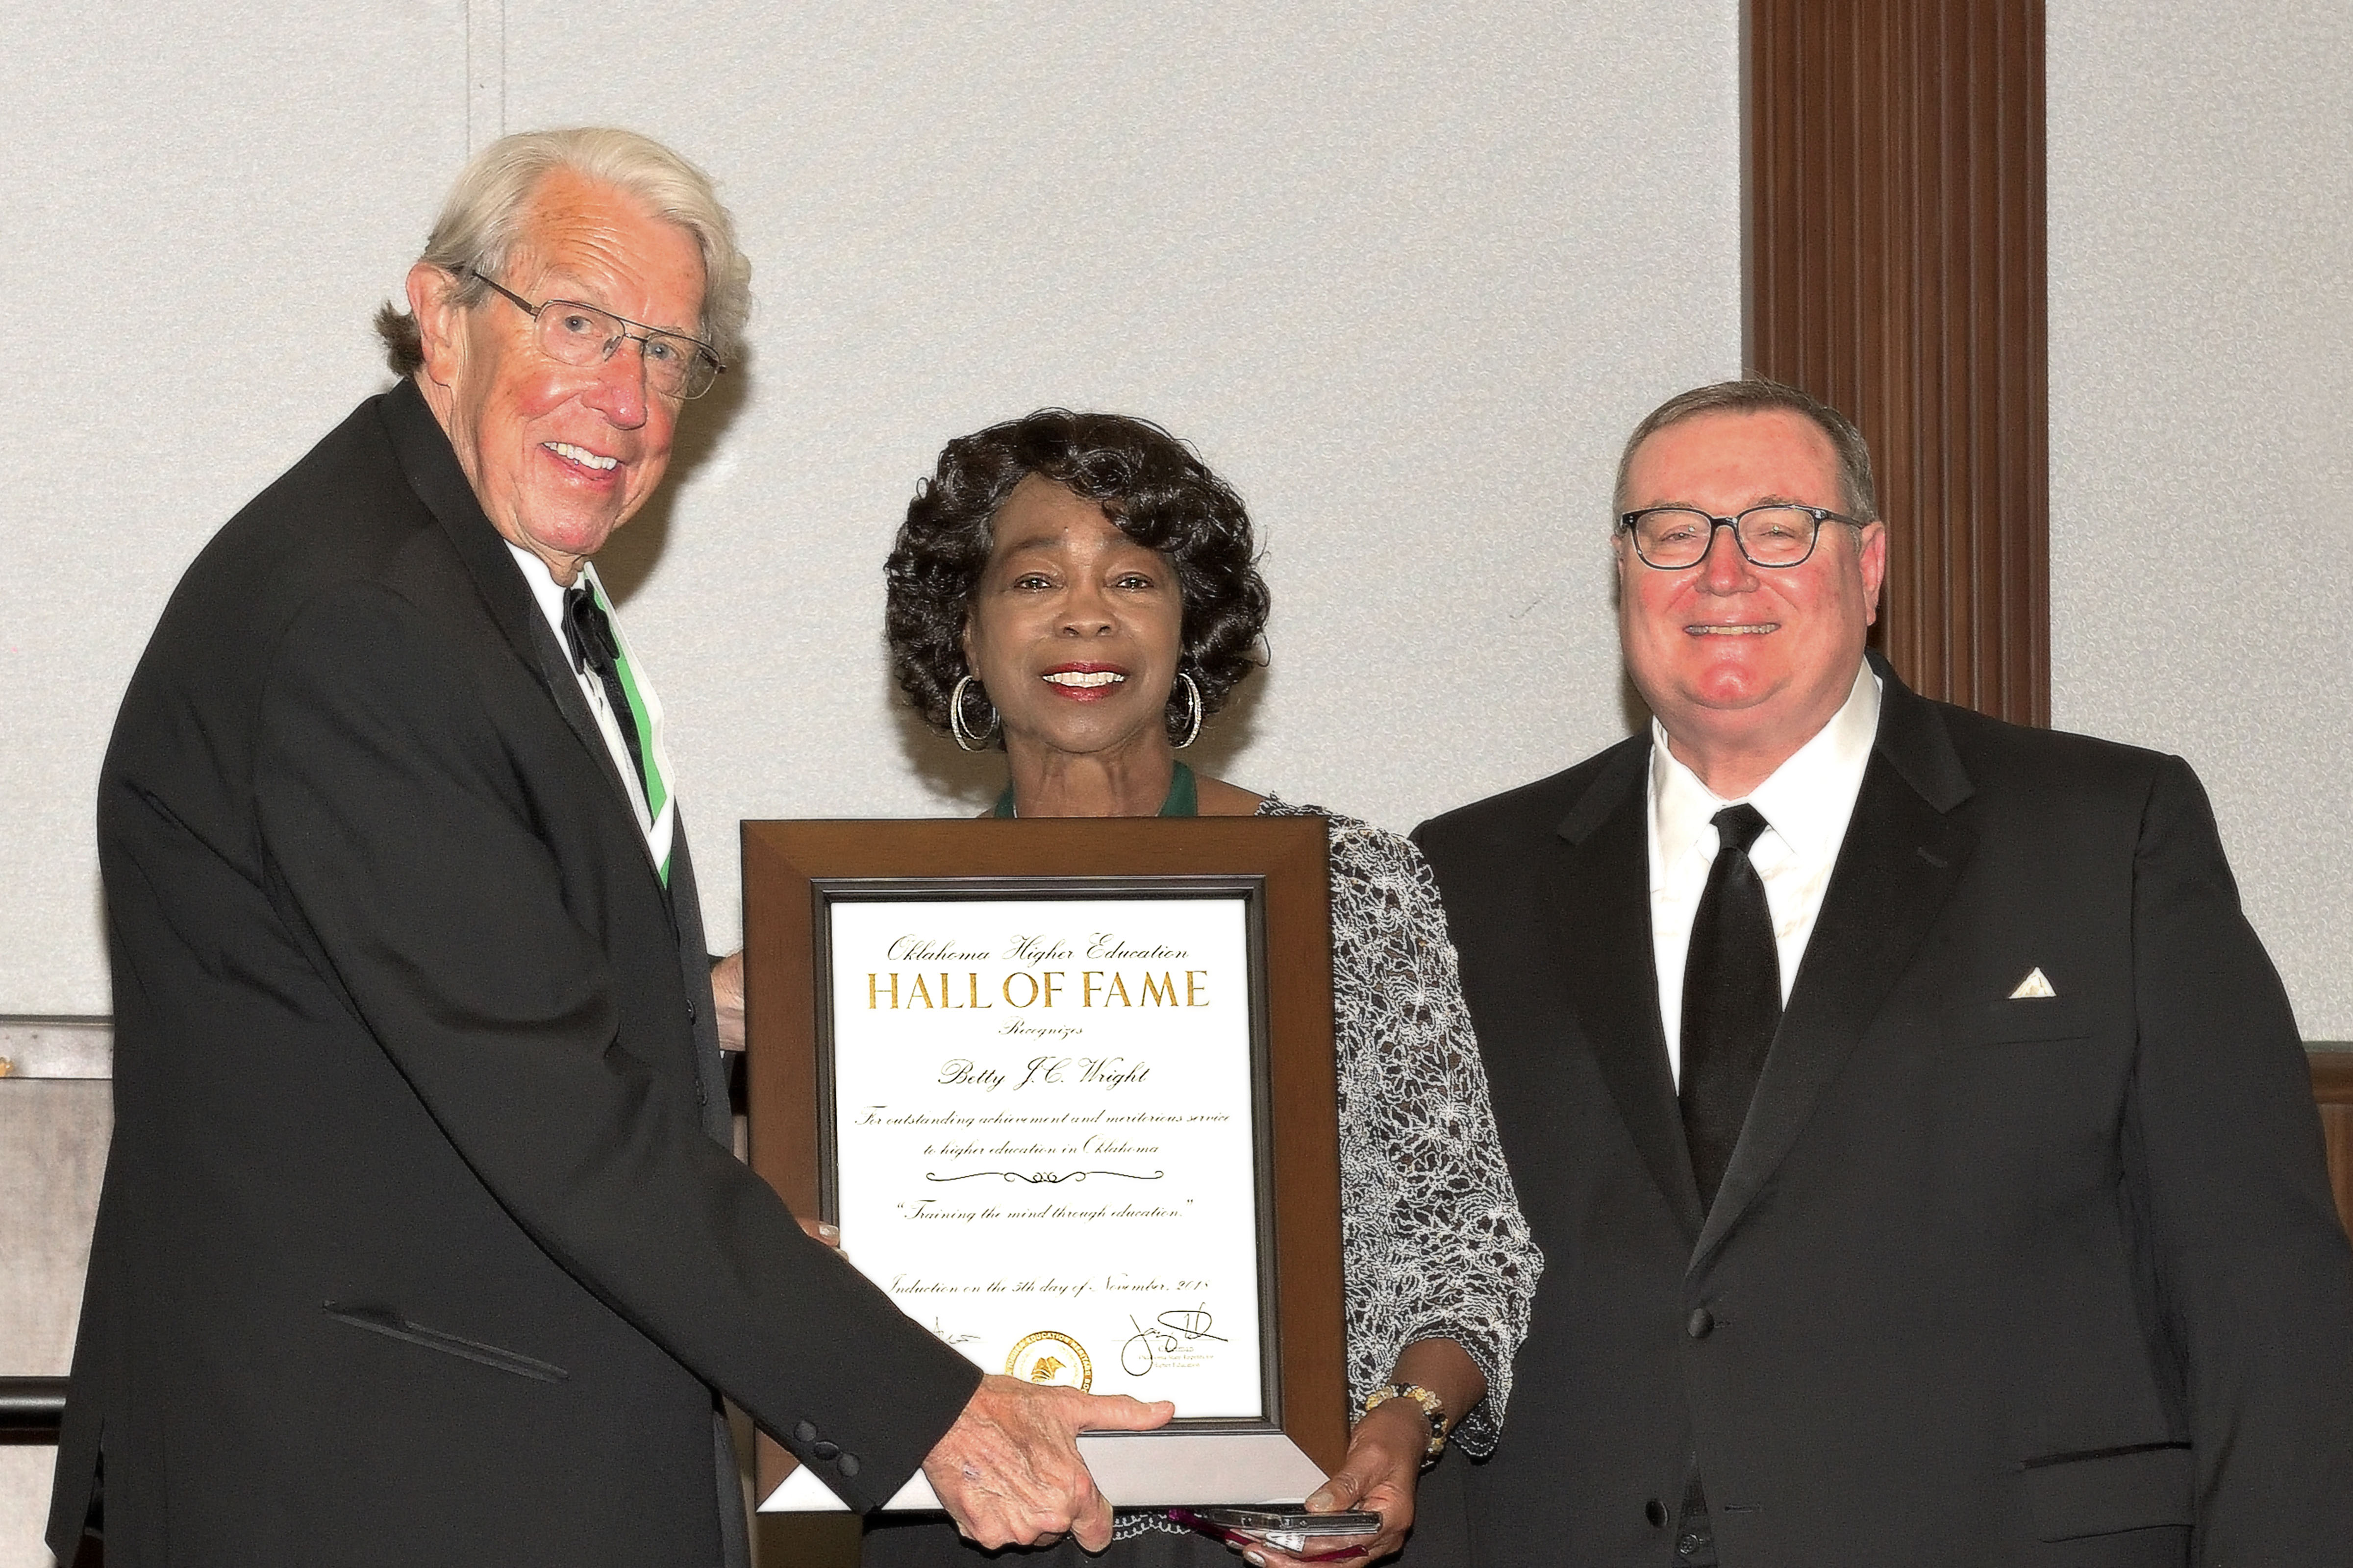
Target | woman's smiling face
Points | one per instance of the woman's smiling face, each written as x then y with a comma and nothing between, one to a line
1074,628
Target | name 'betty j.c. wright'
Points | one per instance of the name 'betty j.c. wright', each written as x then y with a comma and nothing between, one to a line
1111,1072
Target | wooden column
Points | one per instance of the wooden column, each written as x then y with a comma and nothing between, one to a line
1895,270
2332,1091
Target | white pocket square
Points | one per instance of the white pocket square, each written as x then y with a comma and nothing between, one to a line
2033,985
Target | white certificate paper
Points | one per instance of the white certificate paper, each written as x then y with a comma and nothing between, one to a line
1044,1140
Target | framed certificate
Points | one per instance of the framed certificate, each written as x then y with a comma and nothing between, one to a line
1068,1089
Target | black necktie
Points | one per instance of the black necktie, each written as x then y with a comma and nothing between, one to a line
1732,999
593,652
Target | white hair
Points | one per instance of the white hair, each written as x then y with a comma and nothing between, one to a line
483,218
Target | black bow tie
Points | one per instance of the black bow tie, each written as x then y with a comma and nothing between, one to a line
587,633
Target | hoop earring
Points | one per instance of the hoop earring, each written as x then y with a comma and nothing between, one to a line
968,738
1193,695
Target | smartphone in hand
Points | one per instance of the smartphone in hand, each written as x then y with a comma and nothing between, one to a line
1290,1529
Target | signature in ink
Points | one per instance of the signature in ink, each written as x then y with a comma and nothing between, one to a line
945,1337
1168,1333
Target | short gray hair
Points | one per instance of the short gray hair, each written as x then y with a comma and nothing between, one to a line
482,220
1858,494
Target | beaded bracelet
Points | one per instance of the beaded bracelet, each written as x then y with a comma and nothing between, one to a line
1431,1406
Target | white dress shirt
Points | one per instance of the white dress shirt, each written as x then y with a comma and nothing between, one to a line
1806,804
544,588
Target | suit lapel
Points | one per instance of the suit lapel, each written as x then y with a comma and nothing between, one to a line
1899,862
547,657
432,470
1601,911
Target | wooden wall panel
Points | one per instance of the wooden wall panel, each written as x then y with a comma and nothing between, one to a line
1896,270
2332,1089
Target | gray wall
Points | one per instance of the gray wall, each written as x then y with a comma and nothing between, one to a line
205,203
2202,432
1404,273
1404,280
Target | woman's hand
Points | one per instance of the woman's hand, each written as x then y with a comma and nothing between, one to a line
1383,1463
1384,1456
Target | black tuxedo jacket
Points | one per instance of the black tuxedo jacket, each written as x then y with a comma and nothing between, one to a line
420,1242
1989,1280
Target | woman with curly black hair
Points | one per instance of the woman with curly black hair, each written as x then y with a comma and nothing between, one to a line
1080,589
1116,490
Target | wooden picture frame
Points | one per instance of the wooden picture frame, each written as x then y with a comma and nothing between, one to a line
796,872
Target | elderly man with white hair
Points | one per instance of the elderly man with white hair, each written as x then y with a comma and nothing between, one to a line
421,1239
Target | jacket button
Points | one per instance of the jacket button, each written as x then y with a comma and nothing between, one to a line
847,1464
1700,1324
1655,1511
825,1451
689,1009
805,1433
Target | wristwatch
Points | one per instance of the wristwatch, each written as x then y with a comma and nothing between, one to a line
1431,1406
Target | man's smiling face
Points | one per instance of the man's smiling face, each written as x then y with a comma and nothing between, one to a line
560,456
1744,664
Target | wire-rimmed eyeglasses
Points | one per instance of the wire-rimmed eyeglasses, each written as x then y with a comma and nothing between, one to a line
571,333
1672,537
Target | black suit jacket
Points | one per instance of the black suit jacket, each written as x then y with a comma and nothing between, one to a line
1989,1280
419,1241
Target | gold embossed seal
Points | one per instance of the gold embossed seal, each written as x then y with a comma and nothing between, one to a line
1049,1357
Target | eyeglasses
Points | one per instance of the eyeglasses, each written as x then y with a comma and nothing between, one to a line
572,333
1672,538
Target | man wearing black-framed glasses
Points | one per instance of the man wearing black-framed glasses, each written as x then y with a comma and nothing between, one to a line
1917,1130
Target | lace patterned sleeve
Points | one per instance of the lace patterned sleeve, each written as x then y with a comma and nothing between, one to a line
1433,1241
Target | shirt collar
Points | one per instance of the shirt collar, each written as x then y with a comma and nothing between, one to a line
1807,800
543,586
